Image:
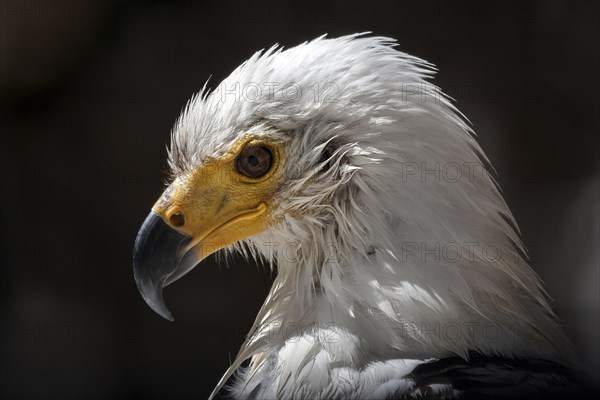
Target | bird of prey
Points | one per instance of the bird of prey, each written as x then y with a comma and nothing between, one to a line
400,270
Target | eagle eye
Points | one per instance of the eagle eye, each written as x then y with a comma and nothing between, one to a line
255,161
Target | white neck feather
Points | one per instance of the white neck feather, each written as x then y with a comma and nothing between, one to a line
388,289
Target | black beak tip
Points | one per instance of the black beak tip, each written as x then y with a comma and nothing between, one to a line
160,308
152,295
155,259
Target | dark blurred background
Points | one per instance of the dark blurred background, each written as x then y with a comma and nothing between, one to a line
89,92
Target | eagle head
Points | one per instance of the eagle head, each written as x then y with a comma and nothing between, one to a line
340,163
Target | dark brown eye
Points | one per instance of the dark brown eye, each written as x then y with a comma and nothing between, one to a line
254,162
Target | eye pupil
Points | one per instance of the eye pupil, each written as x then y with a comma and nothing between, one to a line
255,162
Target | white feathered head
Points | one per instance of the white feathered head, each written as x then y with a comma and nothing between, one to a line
339,162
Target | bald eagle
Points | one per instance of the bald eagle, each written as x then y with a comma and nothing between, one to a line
400,270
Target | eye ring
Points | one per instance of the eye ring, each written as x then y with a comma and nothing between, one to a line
254,161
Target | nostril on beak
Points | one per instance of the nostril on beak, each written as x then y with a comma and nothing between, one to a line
177,219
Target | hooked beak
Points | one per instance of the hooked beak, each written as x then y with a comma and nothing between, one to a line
157,260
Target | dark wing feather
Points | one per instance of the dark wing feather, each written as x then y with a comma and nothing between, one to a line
497,378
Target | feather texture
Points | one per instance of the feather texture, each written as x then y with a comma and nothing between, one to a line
393,246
